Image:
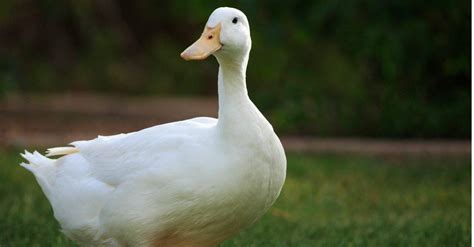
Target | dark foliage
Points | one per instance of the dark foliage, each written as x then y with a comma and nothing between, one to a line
329,67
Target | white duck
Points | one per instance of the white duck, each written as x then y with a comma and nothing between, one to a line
189,183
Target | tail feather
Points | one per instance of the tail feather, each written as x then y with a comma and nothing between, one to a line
36,159
42,167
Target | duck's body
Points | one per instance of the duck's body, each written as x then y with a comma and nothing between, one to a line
187,183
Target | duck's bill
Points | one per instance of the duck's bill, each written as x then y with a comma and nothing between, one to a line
206,45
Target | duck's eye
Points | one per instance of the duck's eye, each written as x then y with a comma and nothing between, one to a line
235,20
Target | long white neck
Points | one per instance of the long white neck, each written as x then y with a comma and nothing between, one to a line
234,103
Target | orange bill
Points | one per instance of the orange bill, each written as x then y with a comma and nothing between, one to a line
208,43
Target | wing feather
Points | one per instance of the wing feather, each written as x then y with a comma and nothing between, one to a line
57,151
113,159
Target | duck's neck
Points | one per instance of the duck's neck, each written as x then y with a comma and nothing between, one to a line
234,103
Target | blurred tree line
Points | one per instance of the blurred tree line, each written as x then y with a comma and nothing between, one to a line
324,67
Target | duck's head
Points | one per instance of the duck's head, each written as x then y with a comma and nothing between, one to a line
226,34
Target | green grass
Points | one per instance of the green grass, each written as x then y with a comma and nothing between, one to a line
328,200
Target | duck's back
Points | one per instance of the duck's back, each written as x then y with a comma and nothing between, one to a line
115,158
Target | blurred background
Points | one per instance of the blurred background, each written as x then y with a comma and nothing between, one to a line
368,68
389,80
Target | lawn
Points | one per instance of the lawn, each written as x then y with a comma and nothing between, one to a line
328,200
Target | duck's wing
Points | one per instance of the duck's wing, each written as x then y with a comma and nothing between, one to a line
114,158
80,183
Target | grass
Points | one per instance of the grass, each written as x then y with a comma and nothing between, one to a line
328,200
